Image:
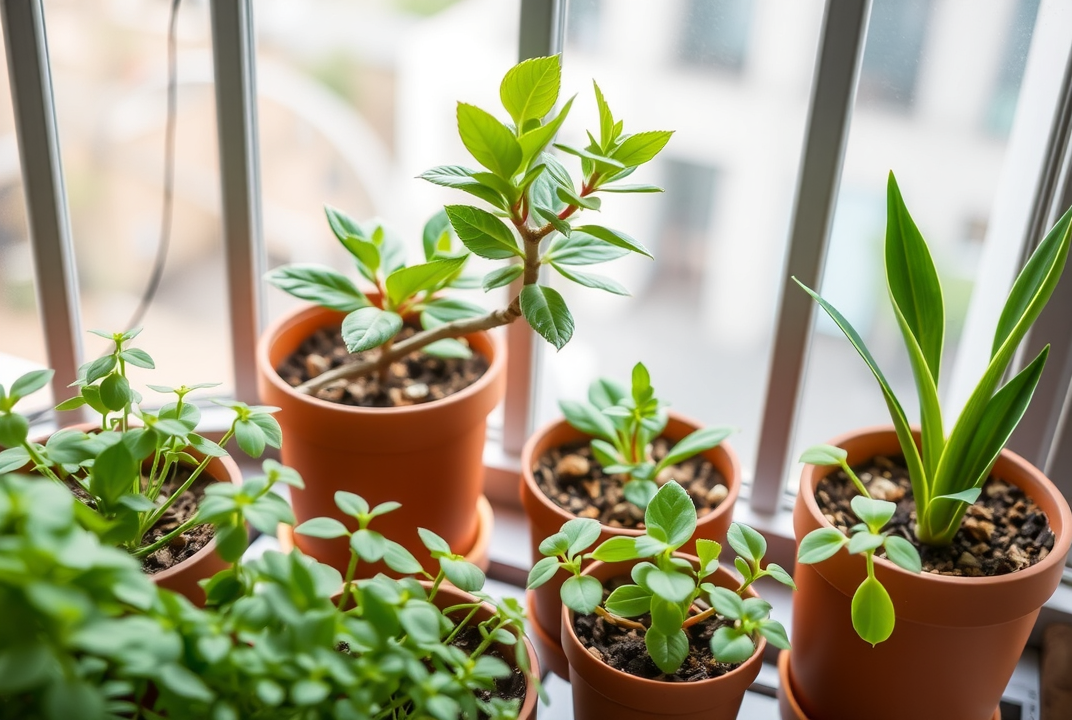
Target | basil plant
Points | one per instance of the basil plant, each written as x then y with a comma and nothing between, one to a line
528,219
671,590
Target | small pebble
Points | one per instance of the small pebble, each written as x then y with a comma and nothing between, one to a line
316,365
572,466
716,495
967,560
883,489
416,391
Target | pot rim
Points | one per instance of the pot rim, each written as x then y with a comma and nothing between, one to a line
1062,528
287,320
528,479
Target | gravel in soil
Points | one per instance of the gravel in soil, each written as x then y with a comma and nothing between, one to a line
623,649
511,687
574,480
1004,531
414,379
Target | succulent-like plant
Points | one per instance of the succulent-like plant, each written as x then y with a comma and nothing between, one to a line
624,423
533,204
668,587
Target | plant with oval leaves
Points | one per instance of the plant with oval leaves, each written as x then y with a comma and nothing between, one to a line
624,424
873,615
125,468
669,588
534,203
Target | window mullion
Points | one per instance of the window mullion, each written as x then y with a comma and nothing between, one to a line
833,92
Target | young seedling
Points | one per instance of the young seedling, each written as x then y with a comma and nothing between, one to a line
668,587
623,425
948,473
534,204
873,615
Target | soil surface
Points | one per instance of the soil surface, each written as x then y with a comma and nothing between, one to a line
1004,531
414,379
624,649
511,687
574,480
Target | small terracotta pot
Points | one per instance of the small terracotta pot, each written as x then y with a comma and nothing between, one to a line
545,519
601,692
957,639
428,457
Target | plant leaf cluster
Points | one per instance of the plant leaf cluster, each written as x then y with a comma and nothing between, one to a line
623,425
670,589
948,472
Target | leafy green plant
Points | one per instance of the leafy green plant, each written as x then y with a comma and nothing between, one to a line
123,470
623,425
666,586
873,615
534,202
947,473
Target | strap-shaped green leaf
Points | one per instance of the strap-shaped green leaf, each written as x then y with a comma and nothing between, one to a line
530,89
614,237
693,443
606,119
488,140
483,233
597,282
406,282
369,327
547,314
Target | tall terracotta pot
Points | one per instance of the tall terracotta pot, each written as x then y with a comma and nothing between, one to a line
601,692
957,639
545,519
428,457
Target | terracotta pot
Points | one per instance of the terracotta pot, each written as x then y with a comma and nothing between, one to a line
478,554
957,639
601,692
428,457
545,519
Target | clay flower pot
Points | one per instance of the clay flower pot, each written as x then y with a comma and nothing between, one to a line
428,457
601,692
545,518
957,639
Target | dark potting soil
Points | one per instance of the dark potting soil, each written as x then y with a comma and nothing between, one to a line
414,379
623,648
574,480
185,545
511,687
1004,531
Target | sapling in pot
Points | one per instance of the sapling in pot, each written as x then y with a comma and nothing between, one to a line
672,592
532,222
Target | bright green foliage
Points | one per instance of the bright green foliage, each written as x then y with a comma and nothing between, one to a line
531,202
623,425
948,472
667,586
872,609
125,466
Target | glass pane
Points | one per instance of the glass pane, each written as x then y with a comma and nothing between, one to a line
732,78
944,68
109,69
22,340
359,98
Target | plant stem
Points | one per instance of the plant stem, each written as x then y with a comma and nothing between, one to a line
351,568
458,628
154,518
698,618
40,464
150,549
855,480
616,620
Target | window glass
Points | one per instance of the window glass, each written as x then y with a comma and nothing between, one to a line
701,315
947,162
109,61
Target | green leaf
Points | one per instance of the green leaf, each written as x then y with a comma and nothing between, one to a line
231,542
542,571
781,575
666,615
640,492
369,545
406,282
672,512
459,177
875,513
581,533
903,553
99,368
30,383
250,438
597,282
863,542
420,620
581,593
483,233
730,645
614,237
114,473
115,392
184,683
489,141
399,559
309,692
674,587
629,601
588,419
435,544
530,89
667,651
607,134
502,276
547,314
436,232
600,160
14,430
823,455
73,699
71,404
872,612
318,284
746,542
570,197
448,348
694,443
555,544
322,527
138,358
630,188
369,327
616,549
642,147
775,634
464,575
726,602
535,141
708,552
820,544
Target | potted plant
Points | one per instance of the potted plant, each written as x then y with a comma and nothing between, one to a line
991,530
703,631
85,636
140,473
605,460
423,440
